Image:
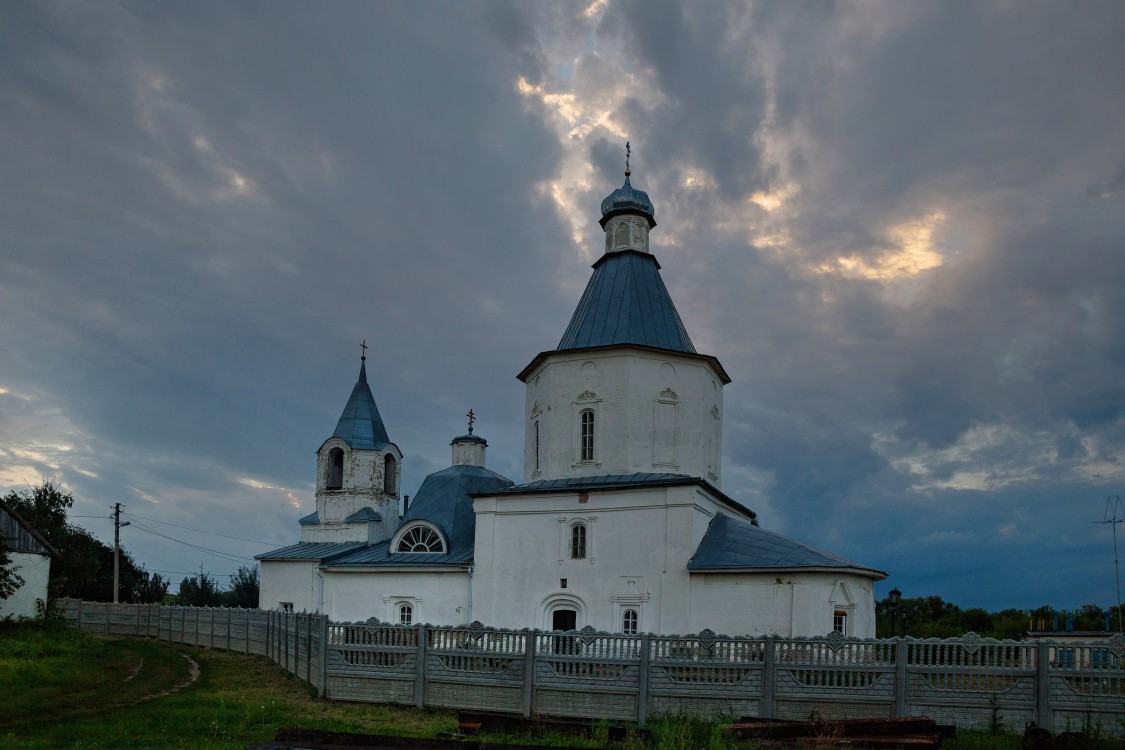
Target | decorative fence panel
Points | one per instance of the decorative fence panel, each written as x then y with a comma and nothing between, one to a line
970,682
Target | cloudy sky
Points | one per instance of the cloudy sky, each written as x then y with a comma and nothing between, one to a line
899,225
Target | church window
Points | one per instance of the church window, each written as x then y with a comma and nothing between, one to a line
537,445
629,622
405,614
335,469
390,475
840,622
621,236
285,606
578,541
587,446
420,539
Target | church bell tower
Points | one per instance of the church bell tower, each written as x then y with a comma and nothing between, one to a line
357,475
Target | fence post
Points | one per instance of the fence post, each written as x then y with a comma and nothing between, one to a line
420,672
528,672
79,615
230,616
323,687
1043,715
308,648
769,674
902,687
246,639
211,628
642,677
137,619
108,613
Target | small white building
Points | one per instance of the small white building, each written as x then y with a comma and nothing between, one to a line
31,557
619,522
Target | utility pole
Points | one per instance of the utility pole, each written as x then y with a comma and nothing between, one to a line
1113,516
117,524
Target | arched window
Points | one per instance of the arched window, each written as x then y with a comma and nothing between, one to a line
405,614
840,622
621,235
629,622
390,475
578,541
335,469
420,539
587,446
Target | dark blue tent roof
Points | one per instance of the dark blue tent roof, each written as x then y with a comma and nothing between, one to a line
360,425
731,544
626,302
444,500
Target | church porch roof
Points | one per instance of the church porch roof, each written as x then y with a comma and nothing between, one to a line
310,551
731,544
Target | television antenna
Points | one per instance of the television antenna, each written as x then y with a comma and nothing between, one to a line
1115,514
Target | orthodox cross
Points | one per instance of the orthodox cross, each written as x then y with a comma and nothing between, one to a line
472,418
628,153
363,346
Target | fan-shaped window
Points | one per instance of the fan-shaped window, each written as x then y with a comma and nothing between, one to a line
587,447
335,470
420,539
629,622
390,475
405,614
578,541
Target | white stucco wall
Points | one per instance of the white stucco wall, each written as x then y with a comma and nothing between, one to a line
638,546
293,581
35,570
654,412
783,603
362,487
437,597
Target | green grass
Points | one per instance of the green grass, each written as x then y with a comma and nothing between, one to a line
67,689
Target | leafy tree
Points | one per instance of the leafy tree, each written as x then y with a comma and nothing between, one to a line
84,568
200,590
153,589
10,579
244,586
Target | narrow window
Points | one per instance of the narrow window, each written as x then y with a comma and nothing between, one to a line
389,475
335,469
537,445
587,435
578,541
621,235
629,622
840,622
405,614
286,606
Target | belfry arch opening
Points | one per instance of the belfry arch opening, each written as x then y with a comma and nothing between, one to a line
335,470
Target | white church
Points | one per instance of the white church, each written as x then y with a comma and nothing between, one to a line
619,522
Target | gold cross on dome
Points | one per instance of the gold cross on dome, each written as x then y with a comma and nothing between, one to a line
472,418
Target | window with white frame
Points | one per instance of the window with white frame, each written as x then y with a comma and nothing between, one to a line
285,606
629,621
840,622
420,539
586,452
405,614
578,541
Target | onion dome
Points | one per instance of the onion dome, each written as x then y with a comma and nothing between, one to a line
628,200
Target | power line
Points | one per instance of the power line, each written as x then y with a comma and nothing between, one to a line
226,555
204,531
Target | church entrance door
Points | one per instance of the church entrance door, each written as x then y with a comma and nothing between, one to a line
564,619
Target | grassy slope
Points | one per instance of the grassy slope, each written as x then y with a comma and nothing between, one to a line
65,689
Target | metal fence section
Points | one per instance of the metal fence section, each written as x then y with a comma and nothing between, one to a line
971,682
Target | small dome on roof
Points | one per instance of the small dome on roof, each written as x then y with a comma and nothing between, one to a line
628,199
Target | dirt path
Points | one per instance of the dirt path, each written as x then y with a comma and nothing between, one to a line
192,677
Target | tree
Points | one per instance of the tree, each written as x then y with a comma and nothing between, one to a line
153,589
200,590
10,579
84,567
244,586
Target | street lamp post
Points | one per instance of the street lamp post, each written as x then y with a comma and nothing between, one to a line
894,596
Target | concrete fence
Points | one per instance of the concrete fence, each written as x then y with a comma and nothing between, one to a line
971,682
